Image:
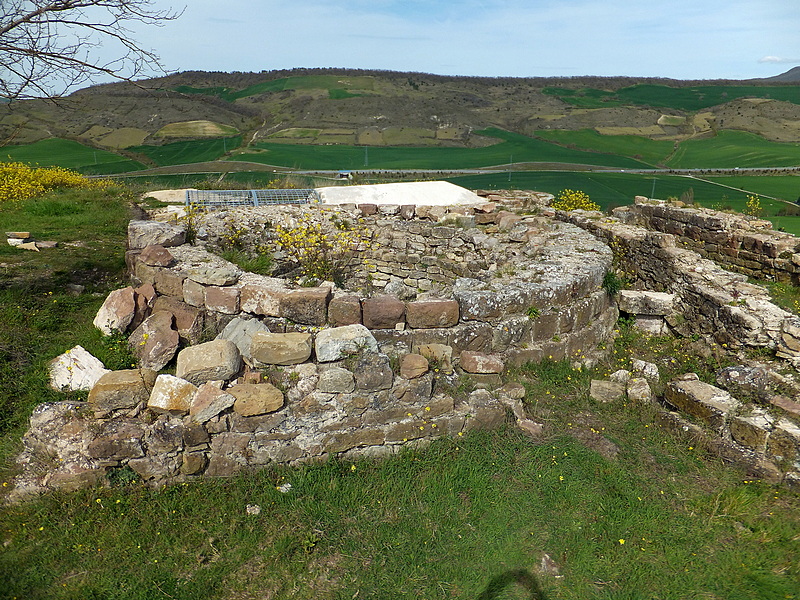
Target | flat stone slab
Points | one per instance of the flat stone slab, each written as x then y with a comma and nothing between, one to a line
702,400
150,233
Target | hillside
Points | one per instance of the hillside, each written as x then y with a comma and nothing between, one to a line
381,108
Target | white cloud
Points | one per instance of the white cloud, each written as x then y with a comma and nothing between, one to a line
778,60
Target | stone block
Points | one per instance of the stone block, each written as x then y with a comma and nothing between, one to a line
155,341
148,233
373,372
638,390
168,282
646,303
117,312
217,273
413,366
193,463
701,400
261,295
188,319
194,294
336,380
117,439
144,298
280,348
254,399
344,310
156,256
240,331
214,360
606,391
122,389
431,314
479,362
76,369
751,431
784,441
340,342
222,299
383,312
209,401
439,355
341,442
165,435
171,394
308,306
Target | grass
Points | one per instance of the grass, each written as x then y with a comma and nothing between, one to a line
633,146
513,148
193,151
677,98
40,317
730,149
703,96
55,152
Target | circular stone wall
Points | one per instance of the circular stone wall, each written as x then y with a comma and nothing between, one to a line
527,286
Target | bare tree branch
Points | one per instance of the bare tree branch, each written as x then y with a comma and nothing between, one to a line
48,48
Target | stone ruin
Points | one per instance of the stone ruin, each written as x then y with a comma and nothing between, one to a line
268,372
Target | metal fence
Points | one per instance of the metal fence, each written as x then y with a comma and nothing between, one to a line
211,199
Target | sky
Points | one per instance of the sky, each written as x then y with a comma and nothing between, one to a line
680,39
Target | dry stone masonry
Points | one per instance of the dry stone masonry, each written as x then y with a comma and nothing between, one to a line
266,372
413,343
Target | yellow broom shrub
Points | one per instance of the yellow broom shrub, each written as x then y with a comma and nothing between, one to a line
19,181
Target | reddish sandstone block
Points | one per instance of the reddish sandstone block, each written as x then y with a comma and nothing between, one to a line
431,314
383,312
344,310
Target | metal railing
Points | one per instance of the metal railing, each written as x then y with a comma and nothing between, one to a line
210,199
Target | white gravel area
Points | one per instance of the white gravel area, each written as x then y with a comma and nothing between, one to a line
426,193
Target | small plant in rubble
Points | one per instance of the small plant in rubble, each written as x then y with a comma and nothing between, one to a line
323,252
574,200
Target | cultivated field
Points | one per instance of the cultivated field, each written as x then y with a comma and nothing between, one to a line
56,152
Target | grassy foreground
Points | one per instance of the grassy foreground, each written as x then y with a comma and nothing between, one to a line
623,509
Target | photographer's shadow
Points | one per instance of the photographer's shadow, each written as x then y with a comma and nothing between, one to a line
519,578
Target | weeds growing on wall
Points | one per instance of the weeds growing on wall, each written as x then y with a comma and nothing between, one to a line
322,252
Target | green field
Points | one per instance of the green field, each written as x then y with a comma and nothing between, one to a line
193,151
730,149
618,189
55,152
337,86
637,147
513,148
678,98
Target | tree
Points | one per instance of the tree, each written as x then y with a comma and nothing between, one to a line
50,47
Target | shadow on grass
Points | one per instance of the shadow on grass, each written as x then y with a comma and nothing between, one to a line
521,578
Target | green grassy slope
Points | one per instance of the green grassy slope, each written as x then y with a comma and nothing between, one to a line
514,148
677,98
178,153
55,152
336,86
730,149
653,152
